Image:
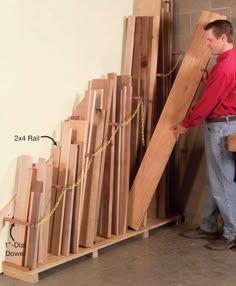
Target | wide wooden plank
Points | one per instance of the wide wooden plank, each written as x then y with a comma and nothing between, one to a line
88,225
151,8
176,107
23,185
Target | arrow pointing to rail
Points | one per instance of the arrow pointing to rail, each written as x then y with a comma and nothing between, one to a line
54,142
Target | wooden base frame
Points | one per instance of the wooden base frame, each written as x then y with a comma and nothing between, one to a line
21,273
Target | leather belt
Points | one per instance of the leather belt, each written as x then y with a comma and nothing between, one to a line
222,119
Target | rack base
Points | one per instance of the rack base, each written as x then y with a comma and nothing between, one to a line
32,276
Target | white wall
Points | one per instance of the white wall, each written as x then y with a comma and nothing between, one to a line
49,50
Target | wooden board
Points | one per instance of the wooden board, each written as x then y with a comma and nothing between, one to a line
129,45
80,131
163,139
123,191
55,155
62,181
88,225
151,8
147,7
23,185
136,76
43,239
77,209
105,219
33,233
107,85
124,82
67,224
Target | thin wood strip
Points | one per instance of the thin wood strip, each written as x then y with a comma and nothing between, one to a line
27,242
56,154
117,167
41,176
136,74
67,225
152,78
76,220
32,253
48,207
129,45
123,189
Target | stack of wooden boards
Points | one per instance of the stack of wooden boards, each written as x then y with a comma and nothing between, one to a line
149,38
98,178
175,109
87,182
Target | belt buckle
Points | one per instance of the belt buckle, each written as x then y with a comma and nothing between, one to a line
227,118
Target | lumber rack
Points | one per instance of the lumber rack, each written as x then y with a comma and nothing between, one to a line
21,273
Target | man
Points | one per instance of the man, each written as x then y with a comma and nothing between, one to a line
218,107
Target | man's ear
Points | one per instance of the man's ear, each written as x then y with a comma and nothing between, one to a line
224,38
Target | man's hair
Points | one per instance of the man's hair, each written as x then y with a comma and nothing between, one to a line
220,27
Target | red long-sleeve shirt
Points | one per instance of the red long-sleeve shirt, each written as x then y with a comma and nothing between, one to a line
219,95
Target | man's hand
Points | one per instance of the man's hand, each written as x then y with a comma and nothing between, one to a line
178,130
204,75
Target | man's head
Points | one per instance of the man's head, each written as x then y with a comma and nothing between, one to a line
219,35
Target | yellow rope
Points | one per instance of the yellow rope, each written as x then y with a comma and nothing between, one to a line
174,67
100,149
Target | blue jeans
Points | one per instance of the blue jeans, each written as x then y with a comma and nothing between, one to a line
221,188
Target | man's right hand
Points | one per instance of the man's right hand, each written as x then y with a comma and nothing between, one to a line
178,129
204,75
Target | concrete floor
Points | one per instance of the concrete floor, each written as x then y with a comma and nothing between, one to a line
163,259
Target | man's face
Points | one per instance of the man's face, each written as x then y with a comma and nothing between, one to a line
214,44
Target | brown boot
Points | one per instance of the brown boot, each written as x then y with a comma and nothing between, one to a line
223,243
199,233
